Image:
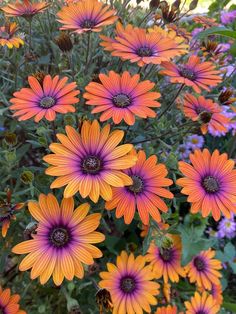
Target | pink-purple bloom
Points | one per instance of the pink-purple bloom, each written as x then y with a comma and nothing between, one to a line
230,127
228,17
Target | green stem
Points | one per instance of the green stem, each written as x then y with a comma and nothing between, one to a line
172,101
30,34
70,59
87,50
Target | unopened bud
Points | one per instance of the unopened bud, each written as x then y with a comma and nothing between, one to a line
193,5
27,177
64,42
10,138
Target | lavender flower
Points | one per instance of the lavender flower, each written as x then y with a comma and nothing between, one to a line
228,17
183,152
194,141
226,228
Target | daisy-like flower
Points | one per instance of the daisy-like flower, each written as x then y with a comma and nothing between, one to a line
166,310
149,178
227,228
210,183
216,292
25,8
204,269
166,290
206,112
202,304
8,36
44,100
130,284
9,304
84,16
194,141
90,162
166,262
144,47
122,97
195,73
63,240
7,212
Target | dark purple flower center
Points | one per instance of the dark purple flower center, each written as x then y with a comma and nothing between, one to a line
47,102
121,100
199,263
166,254
59,237
205,116
137,186
210,184
188,73
201,312
144,51
91,164
128,284
87,24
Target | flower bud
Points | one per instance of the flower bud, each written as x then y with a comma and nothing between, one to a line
10,138
27,177
64,42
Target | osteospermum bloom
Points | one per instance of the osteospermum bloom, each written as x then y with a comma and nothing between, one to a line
84,16
166,262
90,162
195,73
202,303
9,303
44,100
204,269
122,97
8,36
144,47
63,240
26,8
166,310
216,292
149,178
206,112
210,183
130,284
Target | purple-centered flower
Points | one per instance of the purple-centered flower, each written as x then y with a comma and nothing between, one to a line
226,228
194,141
228,17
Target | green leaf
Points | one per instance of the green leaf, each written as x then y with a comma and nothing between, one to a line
232,49
230,306
223,31
229,251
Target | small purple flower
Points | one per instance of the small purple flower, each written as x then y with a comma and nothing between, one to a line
183,152
223,47
194,141
226,228
196,31
228,17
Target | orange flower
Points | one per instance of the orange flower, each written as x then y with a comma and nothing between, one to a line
90,162
166,310
144,47
8,36
44,100
210,183
84,16
122,97
206,112
196,74
205,21
166,262
204,270
202,304
9,303
26,9
63,240
166,289
7,212
145,193
216,292
130,284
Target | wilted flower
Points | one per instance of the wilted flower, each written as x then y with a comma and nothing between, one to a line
64,42
7,212
103,300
